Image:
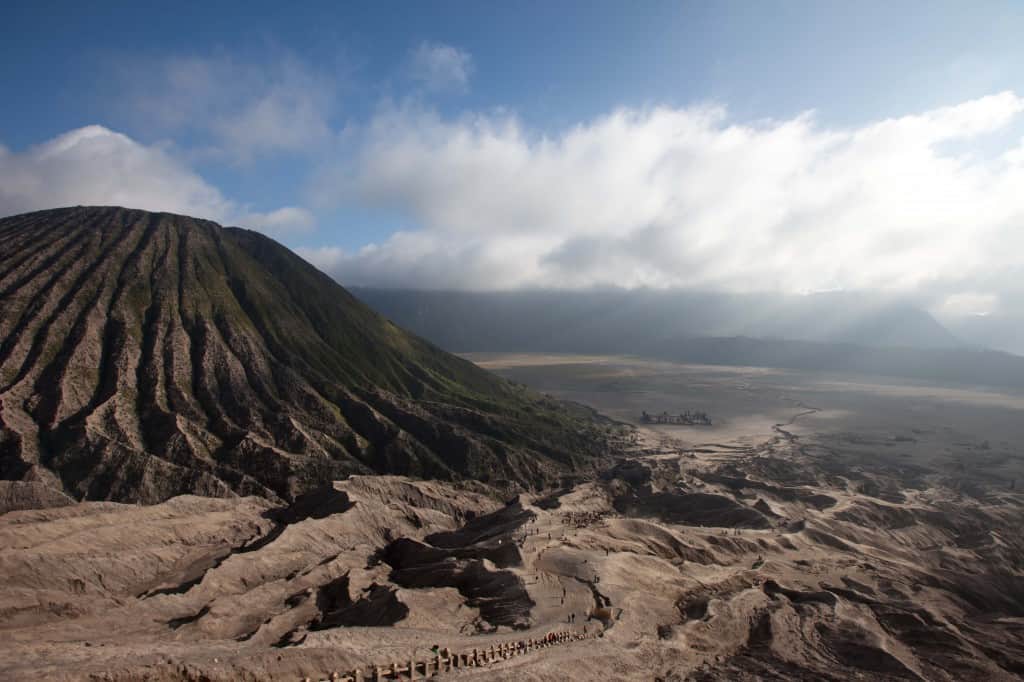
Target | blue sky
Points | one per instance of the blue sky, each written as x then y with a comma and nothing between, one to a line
498,145
555,63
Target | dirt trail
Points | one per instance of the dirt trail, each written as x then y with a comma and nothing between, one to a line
788,435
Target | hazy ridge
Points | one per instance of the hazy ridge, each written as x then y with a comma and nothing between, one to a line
841,332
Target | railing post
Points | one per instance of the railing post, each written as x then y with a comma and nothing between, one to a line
378,674
394,669
412,668
357,675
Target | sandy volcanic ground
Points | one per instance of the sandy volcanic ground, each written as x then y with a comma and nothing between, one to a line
824,528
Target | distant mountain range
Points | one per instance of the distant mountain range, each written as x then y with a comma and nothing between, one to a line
612,319
998,331
833,331
145,355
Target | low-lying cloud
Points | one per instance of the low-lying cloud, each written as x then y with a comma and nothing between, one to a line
687,197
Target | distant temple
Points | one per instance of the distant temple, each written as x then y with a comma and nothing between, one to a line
686,418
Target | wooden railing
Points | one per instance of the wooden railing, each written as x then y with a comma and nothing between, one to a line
446,661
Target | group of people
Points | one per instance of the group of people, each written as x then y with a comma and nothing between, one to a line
687,417
521,645
582,519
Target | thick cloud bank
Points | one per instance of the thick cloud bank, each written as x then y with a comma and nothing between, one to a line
96,166
688,198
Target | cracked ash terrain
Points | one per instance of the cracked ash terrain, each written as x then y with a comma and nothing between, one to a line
821,529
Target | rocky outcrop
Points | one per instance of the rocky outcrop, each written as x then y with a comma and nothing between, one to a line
15,495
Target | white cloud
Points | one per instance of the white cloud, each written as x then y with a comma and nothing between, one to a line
97,166
280,221
242,110
94,165
687,197
441,67
967,303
